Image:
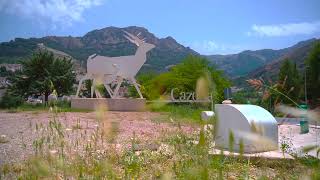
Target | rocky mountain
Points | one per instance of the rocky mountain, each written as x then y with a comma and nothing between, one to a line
107,41
260,61
110,41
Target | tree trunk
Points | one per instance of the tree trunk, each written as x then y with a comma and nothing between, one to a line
46,95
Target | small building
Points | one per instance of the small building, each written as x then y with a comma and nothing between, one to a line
12,67
3,82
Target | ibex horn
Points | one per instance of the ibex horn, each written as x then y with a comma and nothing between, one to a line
132,36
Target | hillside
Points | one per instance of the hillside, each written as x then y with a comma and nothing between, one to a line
297,55
260,61
76,63
107,41
110,41
244,62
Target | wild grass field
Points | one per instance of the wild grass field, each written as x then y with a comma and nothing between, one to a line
52,144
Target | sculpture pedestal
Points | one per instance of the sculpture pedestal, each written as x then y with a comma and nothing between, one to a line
121,104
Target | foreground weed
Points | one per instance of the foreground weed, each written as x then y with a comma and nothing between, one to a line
3,139
93,153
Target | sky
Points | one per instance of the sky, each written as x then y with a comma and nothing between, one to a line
207,26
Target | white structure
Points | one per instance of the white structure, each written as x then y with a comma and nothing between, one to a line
207,115
253,125
114,70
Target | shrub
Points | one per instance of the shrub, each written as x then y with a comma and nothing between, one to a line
63,104
10,101
184,77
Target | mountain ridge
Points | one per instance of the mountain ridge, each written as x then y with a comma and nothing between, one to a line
248,61
298,54
108,41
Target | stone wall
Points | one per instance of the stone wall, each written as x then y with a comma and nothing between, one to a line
122,104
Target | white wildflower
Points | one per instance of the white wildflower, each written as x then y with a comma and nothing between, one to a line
166,149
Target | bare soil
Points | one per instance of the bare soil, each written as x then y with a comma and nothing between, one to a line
19,129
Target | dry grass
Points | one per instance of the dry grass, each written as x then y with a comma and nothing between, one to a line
91,152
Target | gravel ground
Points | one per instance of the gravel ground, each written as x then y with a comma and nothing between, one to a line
20,132
17,130
290,134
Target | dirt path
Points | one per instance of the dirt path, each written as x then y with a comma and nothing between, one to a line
20,129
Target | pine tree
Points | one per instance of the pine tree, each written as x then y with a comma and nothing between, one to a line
289,81
313,74
42,74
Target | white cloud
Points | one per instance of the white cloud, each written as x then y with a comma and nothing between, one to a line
209,47
63,12
205,47
304,28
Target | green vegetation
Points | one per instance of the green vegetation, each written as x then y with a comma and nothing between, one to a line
62,106
290,81
93,154
286,90
243,63
4,72
184,77
10,101
19,49
167,52
181,113
313,75
41,75
247,96
289,87
176,156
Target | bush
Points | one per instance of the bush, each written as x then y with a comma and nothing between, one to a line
184,77
63,104
10,101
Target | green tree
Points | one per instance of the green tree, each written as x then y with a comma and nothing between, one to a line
42,74
10,101
146,88
289,81
313,74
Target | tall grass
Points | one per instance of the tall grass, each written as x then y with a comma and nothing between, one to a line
92,154
63,106
184,113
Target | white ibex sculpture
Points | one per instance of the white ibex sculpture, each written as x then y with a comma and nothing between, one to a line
116,69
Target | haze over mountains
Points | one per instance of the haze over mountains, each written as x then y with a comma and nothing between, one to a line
111,42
